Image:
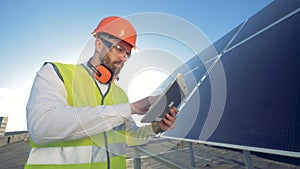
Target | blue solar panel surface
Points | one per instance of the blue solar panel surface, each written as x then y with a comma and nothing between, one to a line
261,64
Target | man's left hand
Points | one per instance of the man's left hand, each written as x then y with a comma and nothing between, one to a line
168,122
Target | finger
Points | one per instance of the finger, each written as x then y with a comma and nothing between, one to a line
172,113
168,122
171,117
163,126
174,110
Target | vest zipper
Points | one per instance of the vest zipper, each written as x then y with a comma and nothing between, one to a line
107,152
104,133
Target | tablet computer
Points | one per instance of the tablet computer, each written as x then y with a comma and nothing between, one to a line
171,96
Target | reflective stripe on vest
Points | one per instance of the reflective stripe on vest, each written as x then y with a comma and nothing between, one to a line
90,152
74,155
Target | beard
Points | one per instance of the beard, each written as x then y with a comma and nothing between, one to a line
112,64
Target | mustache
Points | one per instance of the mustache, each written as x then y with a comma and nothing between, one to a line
118,62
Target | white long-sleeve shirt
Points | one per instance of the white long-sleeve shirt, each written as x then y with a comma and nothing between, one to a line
50,118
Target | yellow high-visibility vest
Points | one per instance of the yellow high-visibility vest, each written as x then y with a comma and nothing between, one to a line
104,150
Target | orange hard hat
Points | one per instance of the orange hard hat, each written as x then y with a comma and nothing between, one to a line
118,27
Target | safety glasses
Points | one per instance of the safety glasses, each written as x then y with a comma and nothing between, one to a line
119,48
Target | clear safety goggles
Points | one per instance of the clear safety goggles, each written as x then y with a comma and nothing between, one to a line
119,48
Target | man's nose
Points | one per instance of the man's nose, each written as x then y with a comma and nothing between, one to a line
123,56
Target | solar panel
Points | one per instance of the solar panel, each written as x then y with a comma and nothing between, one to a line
261,64
266,17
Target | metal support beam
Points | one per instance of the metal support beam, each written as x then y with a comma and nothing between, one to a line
248,160
191,154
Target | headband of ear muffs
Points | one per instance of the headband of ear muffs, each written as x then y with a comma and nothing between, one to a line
102,73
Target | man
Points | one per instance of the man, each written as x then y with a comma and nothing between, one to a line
78,117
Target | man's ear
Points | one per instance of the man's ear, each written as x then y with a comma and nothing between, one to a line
98,44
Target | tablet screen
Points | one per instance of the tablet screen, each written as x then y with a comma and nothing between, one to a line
172,96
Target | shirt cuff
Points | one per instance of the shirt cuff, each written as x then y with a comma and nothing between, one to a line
151,132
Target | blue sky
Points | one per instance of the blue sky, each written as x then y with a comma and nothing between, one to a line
33,32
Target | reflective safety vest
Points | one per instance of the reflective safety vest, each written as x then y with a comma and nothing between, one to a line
104,150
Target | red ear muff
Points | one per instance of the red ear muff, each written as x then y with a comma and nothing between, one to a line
102,73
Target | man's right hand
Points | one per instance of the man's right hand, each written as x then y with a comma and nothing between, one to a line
142,106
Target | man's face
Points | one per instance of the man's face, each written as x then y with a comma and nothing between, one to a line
117,55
